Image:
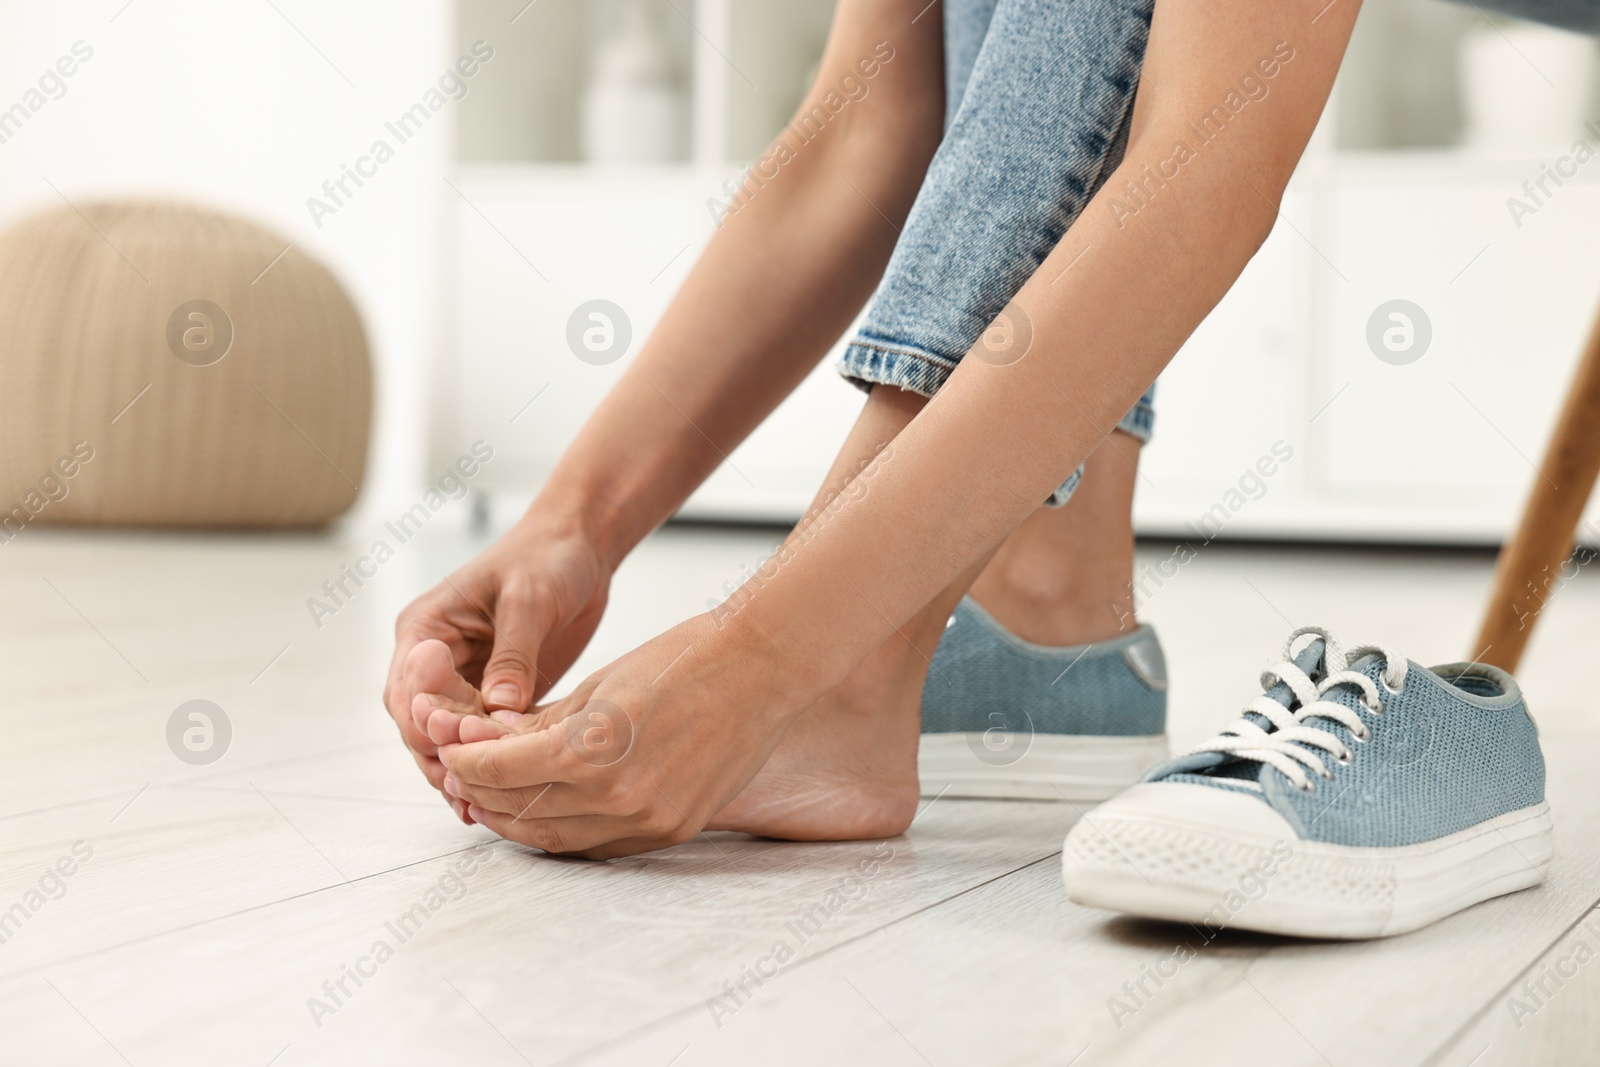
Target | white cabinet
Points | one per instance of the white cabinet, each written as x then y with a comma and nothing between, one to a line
1440,448
1462,427
534,244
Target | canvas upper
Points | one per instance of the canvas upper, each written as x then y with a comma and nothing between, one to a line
983,676
1453,748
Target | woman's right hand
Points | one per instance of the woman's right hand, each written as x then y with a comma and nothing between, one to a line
514,618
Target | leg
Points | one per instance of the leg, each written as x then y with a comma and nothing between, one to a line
1065,577
847,767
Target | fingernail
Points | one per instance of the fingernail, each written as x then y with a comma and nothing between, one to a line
510,718
506,694
452,785
475,812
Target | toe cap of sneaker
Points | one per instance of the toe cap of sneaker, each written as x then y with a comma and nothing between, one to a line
1162,848
1210,809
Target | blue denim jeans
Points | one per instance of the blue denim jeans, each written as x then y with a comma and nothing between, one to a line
1038,98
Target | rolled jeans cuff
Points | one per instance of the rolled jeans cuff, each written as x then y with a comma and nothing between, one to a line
868,362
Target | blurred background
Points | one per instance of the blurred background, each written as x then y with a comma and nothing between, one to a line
585,158
303,279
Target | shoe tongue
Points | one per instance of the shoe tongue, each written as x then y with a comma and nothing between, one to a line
1312,660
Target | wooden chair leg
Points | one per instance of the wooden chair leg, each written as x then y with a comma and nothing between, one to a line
1530,563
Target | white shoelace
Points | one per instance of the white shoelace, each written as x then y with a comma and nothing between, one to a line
1292,746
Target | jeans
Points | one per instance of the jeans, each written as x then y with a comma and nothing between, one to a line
1038,97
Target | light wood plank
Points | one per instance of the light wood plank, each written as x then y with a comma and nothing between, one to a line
1014,973
560,954
167,857
1549,1013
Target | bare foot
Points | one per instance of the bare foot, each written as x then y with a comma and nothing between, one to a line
847,768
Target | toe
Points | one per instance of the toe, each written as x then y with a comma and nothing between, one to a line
444,727
475,728
430,668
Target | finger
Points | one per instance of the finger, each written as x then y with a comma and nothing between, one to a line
520,803
432,769
448,726
431,668
424,706
584,835
397,701
418,623
502,723
555,800
521,623
513,761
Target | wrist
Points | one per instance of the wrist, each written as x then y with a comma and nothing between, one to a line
590,512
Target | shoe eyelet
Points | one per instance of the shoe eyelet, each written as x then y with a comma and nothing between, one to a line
1363,737
1308,787
1345,758
1325,774
1376,707
1392,690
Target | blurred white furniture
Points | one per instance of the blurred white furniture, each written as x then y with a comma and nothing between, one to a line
1383,209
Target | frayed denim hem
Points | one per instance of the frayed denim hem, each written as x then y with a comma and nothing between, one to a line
869,362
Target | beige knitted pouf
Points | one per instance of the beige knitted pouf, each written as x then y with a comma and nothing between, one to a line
163,364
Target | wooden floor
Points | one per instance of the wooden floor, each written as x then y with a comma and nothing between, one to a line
213,912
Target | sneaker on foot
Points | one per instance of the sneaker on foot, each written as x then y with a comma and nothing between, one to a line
1361,795
1003,717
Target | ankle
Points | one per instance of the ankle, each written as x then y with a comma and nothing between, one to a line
1048,612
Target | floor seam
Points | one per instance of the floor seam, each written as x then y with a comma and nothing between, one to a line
80,957
675,1014
1455,1035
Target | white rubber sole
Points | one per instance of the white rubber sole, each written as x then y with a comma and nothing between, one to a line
1226,860
1052,766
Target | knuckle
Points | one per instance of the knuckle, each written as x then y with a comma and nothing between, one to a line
527,801
663,822
412,615
544,835
520,597
509,658
620,798
492,770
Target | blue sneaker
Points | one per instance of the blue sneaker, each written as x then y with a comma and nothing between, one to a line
1003,717
1361,795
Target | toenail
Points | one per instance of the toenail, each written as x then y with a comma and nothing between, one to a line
452,785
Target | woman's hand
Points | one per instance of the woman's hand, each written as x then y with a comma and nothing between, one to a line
513,619
641,756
